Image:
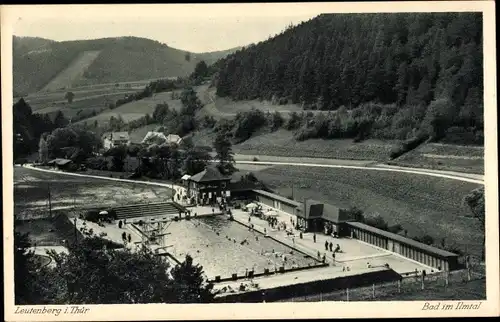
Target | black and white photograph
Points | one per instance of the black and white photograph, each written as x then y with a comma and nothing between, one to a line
271,154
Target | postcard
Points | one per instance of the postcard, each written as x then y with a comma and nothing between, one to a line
249,161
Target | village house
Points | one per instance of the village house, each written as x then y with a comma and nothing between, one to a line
112,139
174,139
153,137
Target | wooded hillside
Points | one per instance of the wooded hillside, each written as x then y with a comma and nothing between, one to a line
396,65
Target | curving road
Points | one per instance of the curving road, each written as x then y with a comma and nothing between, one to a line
332,163
474,178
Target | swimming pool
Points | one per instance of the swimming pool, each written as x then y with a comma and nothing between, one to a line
224,247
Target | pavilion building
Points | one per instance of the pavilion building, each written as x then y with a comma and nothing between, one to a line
208,187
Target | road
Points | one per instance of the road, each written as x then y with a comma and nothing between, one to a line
354,164
331,163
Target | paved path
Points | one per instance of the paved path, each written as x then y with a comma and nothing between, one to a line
473,178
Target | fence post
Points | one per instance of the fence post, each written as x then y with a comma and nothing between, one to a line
399,286
468,269
446,278
423,286
321,296
347,294
373,290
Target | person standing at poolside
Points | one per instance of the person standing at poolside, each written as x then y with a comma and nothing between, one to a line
314,237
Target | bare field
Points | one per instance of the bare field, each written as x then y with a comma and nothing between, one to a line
421,204
73,72
31,192
445,157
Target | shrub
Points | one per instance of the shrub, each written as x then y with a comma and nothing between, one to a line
425,239
395,228
376,220
408,146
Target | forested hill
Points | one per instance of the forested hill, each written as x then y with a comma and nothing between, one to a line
37,61
401,62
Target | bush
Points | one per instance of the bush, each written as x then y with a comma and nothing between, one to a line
395,228
355,213
247,123
376,220
408,145
425,239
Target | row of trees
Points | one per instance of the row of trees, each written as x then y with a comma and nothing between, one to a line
111,276
406,60
370,120
74,143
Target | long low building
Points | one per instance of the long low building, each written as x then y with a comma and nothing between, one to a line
278,202
318,216
422,253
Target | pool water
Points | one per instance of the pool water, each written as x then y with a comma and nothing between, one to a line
225,247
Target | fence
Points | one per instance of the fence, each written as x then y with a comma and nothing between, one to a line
457,285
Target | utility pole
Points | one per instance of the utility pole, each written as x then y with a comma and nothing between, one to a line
50,202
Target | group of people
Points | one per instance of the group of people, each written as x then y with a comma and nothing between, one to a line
126,237
329,247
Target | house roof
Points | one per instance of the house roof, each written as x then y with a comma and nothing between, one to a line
185,177
242,186
319,209
153,134
313,209
427,248
209,174
60,161
173,138
278,197
116,136
336,215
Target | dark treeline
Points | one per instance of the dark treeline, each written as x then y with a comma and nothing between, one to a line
28,127
401,64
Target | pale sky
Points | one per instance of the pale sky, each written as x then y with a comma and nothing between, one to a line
195,28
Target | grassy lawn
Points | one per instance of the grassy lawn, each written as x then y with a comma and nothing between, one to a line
445,157
98,104
137,109
222,107
435,289
421,204
40,99
137,135
282,144
31,190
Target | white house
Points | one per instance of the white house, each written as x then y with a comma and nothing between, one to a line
160,138
113,139
154,138
174,138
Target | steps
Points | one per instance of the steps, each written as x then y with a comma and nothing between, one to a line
142,210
